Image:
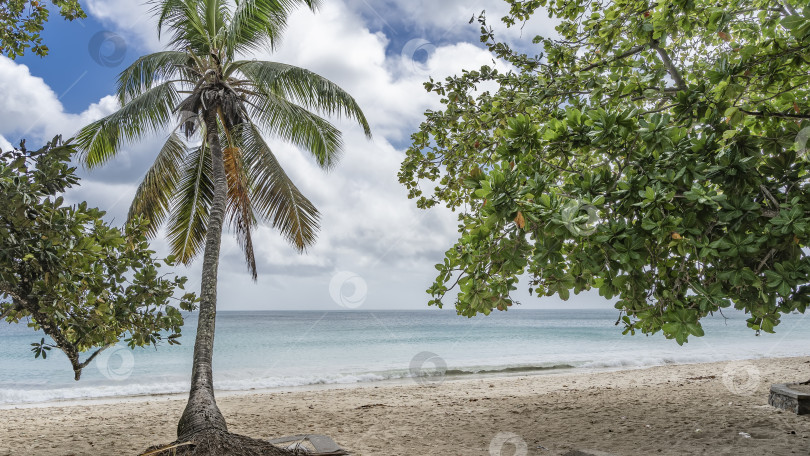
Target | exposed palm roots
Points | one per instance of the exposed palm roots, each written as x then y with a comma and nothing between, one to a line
218,443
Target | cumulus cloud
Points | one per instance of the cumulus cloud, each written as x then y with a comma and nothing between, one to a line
29,104
447,21
369,227
31,109
134,19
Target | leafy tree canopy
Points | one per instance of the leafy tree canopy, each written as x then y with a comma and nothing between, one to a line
656,152
21,22
85,284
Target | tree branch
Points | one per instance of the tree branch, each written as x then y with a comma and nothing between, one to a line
769,196
765,260
92,357
7,312
7,289
70,350
788,7
776,114
625,54
671,68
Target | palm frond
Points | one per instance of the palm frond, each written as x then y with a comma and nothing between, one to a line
274,196
147,113
257,23
154,195
239,211
191,206
166,11
184,20
260,23
295,124
212,10
150,69
303,87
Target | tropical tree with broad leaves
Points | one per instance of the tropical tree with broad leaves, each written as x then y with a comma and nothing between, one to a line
215,165
22,22
655,151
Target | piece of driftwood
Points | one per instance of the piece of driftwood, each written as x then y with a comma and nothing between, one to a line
321,444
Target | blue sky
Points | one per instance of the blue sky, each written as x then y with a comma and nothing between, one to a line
376,250
70,69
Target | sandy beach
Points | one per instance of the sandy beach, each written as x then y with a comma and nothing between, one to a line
711,409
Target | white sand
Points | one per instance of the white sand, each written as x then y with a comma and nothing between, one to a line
670,410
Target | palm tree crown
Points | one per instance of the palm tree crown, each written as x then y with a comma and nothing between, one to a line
200,84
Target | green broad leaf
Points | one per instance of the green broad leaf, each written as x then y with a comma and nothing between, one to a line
695,329
748,51
689,188
802,32
483,192
731,111
733,91
564,294
671,328
793,21
736,118
648,224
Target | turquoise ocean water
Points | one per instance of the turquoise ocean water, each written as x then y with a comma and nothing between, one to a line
267,350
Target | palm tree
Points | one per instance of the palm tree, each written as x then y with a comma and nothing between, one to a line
215,164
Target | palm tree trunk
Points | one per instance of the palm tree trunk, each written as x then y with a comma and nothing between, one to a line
202,413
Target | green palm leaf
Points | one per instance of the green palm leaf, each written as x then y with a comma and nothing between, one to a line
259,23
154,195
147,113
184,19
275,198
150,69
191,206
295,124
303,87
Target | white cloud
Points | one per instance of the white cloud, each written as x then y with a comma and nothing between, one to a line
449,20
336,43
368,225
133,19
32,110
29,104
4,144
